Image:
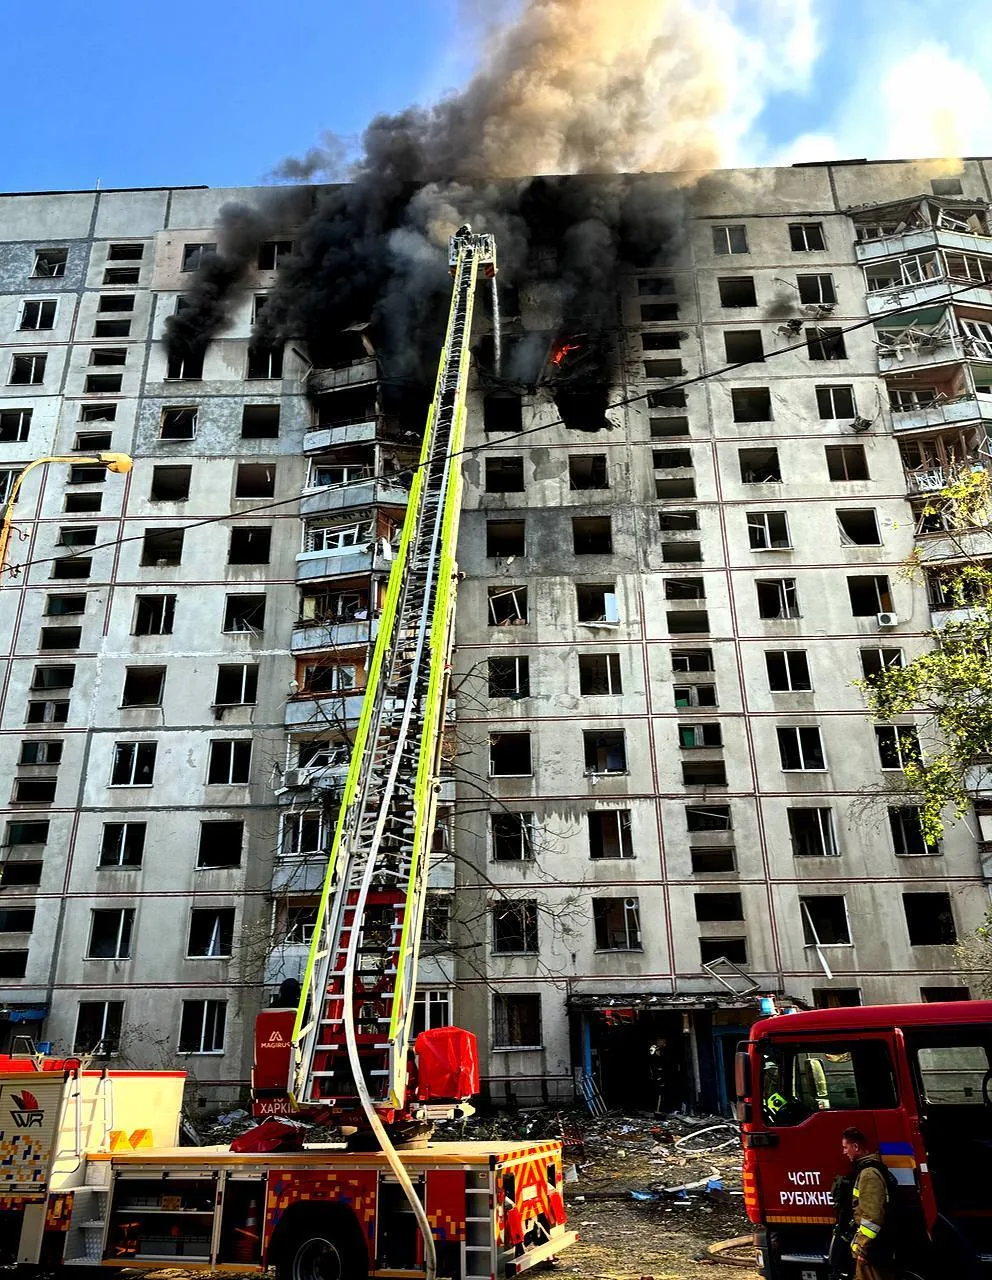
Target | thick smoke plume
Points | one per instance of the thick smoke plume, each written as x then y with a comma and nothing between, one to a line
582,87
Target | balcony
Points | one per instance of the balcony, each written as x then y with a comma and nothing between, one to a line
330,710
302,873
951,413
285,961
361,431
928,293
334,635
920,240
361,493
320,381
345,562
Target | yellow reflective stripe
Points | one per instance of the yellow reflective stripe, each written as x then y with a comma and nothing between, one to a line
869,1229
857,1194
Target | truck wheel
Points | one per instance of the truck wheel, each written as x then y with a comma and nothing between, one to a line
322,1253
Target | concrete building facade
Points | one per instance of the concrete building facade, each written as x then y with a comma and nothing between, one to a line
662,790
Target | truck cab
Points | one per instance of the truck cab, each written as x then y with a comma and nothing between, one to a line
917,1080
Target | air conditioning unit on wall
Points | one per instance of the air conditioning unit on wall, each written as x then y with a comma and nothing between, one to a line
887,619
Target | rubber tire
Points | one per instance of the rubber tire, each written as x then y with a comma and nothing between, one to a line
322,1253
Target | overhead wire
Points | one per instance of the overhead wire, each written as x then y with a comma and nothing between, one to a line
623,402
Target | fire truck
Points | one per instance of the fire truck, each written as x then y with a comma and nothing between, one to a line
90,1169
917,1080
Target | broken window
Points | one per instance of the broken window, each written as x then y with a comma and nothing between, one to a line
587,471
704,773
255,480
517,1020
98,1027
609,833
143,687
666,400
507,606
27,370
737,291
712,950
658,312
179,423
695,695
512,837
898,745
230,762
655,286
670,521
707,733
38,314
671,459
730,239
98,413
708,817
935,995
49,264
112,329
875,661
668,428
162,548
718,906
677,487
51,712
837,997
249,545
35,832
583,410
509,677
617,923
768,531
110,934
237,685
260,422
77,502
663,368
751,404
515,927
302,833
907,832
505,538
34,791
15,424
870,595
859,528
812,833
102,383
60,638
61,606
846,462
326,676
592,535
825,921
661,341
685,589
264,362
705,860
596,603
202,1026
273,253
502,413
125,252
682,552
211,932
929,919
170,484
194,254
806,237
800,748
123,844
72,567
692,660
743,345
946,186
836,402
759,466
777,598
92,441
788,670
153,615
688,622
504,474
47,677
816,290
108,357
599,674
185,367
509,755
825,344
115,302
604,751
133,764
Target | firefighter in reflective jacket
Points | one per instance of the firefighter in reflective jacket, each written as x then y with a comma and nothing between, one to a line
872,1257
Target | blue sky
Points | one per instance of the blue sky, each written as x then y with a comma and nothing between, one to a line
152,94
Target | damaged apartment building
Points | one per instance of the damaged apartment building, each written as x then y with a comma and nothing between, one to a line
681,544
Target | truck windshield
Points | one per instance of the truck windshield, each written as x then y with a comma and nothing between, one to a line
798,1080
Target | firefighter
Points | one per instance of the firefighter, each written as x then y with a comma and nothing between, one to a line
869,1206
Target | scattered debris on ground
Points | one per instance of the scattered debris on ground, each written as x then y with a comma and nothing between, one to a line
650,1196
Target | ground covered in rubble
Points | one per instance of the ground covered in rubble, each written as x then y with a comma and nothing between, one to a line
647,1195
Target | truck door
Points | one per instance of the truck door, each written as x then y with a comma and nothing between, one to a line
808,1091
952,1072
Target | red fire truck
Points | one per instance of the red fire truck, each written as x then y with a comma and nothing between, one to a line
917,1080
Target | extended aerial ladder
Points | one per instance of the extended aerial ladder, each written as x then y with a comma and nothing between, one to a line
351,1038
